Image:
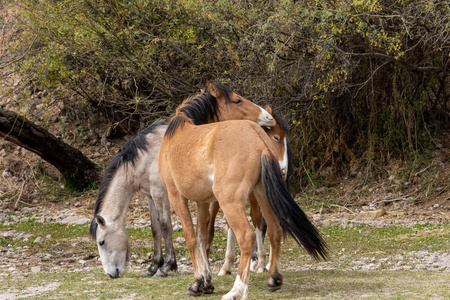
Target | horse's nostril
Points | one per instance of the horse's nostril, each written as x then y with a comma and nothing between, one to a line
117,272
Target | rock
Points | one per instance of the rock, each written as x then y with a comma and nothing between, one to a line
317,217
177,228
38,240
76,220
82,262
36,269
179,240
7,234
377,213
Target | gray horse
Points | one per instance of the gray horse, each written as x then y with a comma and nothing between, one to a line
134,169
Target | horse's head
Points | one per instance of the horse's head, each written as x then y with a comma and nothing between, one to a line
232,106
112,242
280,142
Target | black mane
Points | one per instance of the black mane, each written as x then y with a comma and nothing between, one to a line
200,110
128,154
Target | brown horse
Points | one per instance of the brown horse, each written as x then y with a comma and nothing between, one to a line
278,136
226,161
135,169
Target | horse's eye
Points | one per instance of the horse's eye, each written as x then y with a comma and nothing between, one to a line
101,243
276,138
237,101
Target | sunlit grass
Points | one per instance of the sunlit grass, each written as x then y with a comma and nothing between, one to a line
347,244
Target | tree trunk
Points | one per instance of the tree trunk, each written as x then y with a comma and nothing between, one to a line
79,172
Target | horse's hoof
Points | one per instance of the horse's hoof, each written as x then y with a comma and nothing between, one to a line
274,288
151,271
275,282
209,289
160,274
191,293
223,273
165,269
149,274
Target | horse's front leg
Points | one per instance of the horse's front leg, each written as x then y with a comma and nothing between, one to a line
259,253
157,259
202,242
163,205
180,206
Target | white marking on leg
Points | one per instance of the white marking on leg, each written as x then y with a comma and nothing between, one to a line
230,254
270,262
284,162
239,290
270,258
202,262
260,252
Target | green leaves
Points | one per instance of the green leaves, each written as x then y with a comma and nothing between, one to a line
339,65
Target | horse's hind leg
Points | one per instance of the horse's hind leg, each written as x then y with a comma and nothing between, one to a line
213,210
230,254
163,205
275,233
233,206
259,253
157,259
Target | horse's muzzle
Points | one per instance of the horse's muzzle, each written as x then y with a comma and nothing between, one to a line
116,274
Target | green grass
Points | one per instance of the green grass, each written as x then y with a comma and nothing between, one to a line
311,284
347,244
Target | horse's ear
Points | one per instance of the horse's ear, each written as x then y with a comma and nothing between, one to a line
213,90
269,110
100,220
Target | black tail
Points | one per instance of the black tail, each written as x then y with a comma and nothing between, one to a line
292,219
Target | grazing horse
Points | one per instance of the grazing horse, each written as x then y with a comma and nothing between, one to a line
279,139
135,169
225,162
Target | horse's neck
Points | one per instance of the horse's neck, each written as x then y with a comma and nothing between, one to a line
118,196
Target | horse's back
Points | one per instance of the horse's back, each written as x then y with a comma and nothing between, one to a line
146,169
238,146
